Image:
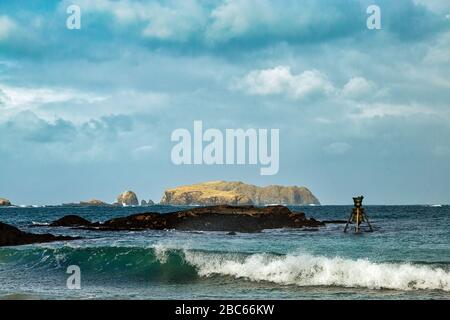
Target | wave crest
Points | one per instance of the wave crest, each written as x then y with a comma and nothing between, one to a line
308,270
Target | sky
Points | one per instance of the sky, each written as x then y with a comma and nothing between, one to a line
89,113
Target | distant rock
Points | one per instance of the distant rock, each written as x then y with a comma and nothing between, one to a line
11,236
147,203
128,198
93,202
4,202
216,218
237,193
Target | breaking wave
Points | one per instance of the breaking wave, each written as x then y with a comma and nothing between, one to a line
160,263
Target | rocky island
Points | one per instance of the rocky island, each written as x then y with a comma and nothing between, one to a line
11,236
214,218
89,203
4,202
237,193
127,198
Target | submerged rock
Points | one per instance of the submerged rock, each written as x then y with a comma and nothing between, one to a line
215,218
4,202
128,198
11,236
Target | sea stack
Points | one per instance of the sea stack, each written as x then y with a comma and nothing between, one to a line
237,193
4,202
128,198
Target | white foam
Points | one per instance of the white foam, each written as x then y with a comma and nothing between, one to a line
40,223
307,270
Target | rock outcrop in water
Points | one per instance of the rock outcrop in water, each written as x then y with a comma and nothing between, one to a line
215,218
237,193
93,202
11,236
4,202
71,221
128,198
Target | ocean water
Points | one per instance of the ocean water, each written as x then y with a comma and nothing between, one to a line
406,257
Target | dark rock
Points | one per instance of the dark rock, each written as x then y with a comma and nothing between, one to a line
143,203
215,218
71,221
11,236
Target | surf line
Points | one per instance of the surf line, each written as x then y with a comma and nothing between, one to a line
236,146
187,310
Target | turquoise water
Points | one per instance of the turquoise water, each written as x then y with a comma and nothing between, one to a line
407,257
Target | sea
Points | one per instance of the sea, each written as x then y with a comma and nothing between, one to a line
407,256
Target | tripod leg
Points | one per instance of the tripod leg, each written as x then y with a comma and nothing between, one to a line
348,222
368,222
357,223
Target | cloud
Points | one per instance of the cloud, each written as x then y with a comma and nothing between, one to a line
253,22
7,25
22,97
174,20
59,140
43,100
438,6
26,126
358,87
337,148
281,81
381,110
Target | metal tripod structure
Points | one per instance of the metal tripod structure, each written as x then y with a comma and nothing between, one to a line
358,216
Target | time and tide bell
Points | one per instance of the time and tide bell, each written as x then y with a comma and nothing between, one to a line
358,217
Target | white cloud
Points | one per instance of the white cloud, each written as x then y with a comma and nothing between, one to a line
280,80
7,25
438,52
379,110
16,99
214,22
437,6
25,98
235,18
358,87
337,148
173,20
